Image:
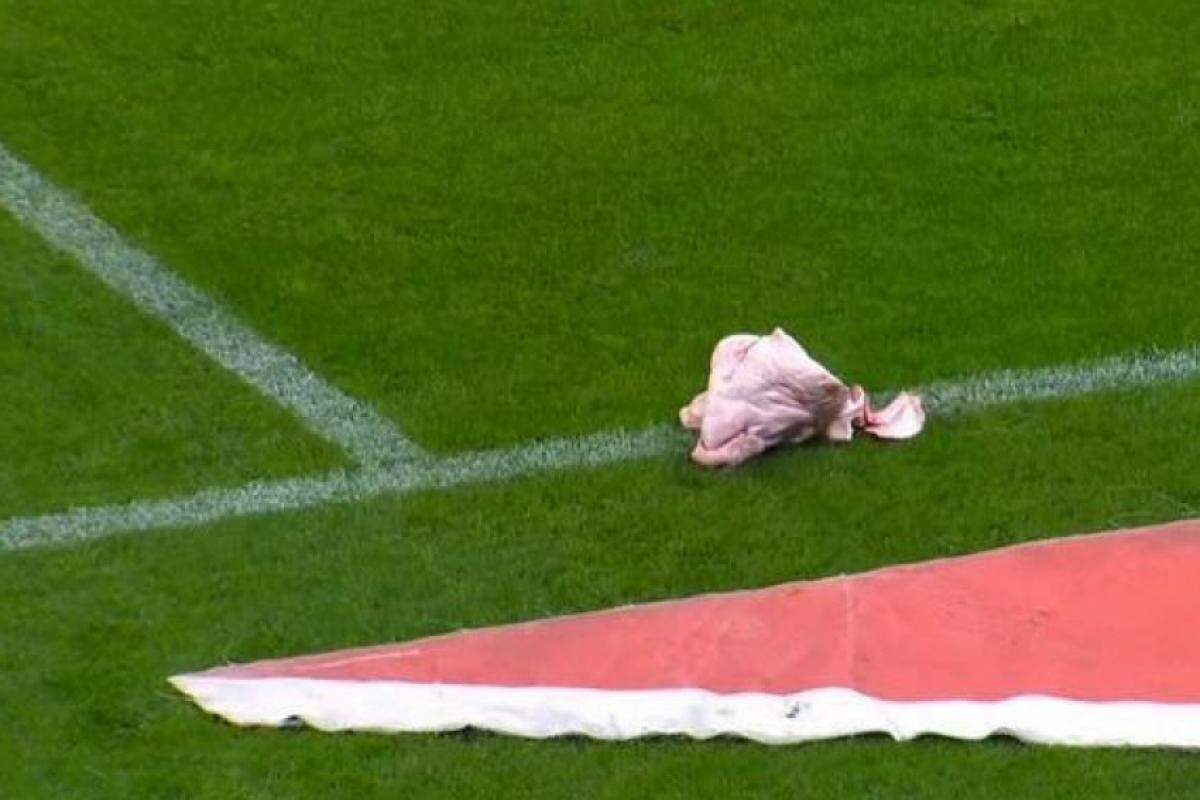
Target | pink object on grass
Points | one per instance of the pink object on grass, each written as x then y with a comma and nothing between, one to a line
767,390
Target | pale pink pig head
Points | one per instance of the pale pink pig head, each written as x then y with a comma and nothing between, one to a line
767,390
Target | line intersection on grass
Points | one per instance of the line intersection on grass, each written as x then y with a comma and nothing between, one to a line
388,462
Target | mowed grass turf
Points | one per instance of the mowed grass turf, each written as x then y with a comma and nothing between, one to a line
93,631
100,405
502,221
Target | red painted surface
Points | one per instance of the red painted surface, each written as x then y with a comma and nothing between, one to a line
1104,617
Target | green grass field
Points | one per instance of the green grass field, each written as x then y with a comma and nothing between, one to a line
498,222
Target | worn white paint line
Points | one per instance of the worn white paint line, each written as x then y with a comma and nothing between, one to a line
81,524
1011,386
294,494
390,463
70,227
211,505
943,399
594,450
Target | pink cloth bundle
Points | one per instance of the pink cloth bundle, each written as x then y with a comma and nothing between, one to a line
767,390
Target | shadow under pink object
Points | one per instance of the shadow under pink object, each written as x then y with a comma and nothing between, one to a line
764,391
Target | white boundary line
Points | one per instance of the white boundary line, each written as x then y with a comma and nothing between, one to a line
942,399
1012,386
67,225
390,463
293,494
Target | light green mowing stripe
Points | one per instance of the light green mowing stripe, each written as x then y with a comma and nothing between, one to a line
942,400
67,225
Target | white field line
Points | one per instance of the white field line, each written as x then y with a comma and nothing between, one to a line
389,462
292,494
67,225
942,399
1011,386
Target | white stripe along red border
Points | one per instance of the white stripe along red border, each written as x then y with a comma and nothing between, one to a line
1081,640
545,712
